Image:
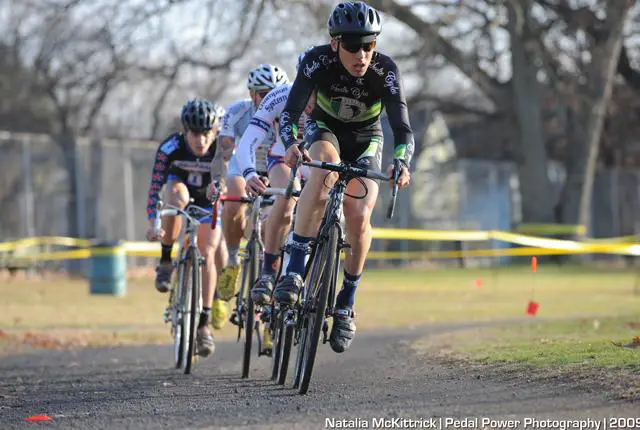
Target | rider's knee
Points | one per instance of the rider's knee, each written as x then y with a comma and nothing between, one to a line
178,194
286,217
324,150
208,251
235,185
283,208
318,190
357,216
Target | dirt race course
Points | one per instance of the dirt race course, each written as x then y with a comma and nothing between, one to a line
381,376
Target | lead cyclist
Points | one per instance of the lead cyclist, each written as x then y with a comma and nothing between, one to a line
353,83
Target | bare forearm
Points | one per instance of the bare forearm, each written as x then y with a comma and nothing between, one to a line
221,160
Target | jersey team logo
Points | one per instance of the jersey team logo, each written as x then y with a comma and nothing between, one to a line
347,108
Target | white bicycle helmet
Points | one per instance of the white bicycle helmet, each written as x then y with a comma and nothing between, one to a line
266,77
220,111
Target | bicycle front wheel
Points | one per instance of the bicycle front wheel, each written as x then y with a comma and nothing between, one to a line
253,268
318,285
177,315
275,327
284,348
193,312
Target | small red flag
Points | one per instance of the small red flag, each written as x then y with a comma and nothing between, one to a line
478,283
534,264
532,308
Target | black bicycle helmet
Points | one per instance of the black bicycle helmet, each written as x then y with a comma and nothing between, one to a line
354,19
200,115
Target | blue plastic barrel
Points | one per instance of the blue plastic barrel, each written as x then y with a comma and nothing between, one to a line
108,274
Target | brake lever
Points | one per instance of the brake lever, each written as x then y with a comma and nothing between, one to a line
157,222
214,206
294,173
394,191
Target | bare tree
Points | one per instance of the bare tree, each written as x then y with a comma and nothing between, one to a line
81,53
598,33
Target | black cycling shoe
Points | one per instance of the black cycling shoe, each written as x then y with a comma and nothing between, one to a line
288,289
261,291
343,330
163,276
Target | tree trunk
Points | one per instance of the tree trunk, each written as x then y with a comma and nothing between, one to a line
67,144
530,150
585,141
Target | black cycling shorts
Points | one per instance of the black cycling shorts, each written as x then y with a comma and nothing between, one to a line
356,145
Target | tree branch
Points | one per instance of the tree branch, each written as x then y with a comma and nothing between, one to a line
239,52
448,105
493,89
157,109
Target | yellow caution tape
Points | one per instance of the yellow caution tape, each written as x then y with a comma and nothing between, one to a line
532,245
550,229
45,240
442,235
76,254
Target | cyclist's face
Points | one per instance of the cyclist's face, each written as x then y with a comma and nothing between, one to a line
257,97
355,57
200,142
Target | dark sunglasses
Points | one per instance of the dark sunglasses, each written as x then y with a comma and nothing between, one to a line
262,94
355,47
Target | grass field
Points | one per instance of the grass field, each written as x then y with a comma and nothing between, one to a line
596,341
385,299
605,351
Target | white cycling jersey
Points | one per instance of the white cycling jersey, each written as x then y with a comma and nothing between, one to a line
235,122
263,123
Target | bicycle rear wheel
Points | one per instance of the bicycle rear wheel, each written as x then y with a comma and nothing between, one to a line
193,313
276,330
177,315
318,285
284,348
253,268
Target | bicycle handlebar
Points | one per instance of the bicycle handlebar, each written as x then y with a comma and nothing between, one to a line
355,171
351,170
168,210
269,191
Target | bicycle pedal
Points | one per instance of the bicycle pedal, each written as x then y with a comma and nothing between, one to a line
267,351
234,319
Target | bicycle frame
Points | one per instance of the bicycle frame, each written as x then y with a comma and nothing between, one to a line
245,312
189,300
317,298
